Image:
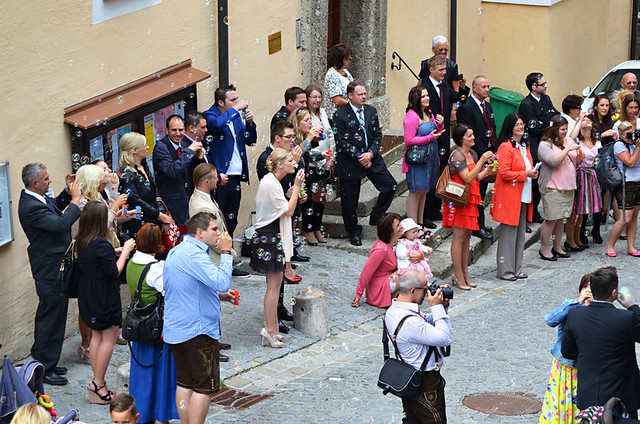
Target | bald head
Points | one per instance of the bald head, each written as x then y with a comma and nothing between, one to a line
480,87
629,82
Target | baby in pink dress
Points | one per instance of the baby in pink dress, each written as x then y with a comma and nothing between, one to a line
410,252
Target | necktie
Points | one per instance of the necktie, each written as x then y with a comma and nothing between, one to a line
492,136
179,151
441,98
364,127
51,205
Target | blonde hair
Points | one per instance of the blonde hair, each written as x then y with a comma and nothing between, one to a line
128,142
89,178
295,118
31,413
624,126
277,156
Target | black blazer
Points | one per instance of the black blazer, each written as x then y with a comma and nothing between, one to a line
471,114
48,231
449,96
261,168
173,175
142,192
350,141
602,338
281,115
536,116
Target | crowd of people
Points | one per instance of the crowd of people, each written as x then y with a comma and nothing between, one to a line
169,234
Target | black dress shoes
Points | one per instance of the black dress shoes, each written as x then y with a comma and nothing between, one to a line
528,230
54,379
224,346
283,327
60,370
436,216
482,233
284,314
538,219
294,266
300,258
355,240
429,224
223,358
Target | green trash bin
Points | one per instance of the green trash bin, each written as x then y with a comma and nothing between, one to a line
503,103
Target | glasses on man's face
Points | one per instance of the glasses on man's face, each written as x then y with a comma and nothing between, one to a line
421,288
442,50
289,137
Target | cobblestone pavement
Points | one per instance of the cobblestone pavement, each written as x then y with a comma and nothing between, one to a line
500,343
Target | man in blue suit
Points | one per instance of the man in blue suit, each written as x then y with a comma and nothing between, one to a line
226,150
173,157
48,230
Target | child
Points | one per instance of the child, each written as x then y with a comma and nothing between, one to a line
410,252
123,409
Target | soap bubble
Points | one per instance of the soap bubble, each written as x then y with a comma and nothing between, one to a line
84,160
226,20
267,256
78,133
76,166
75,157
480,11
442,152
501,259
489,133
127,192
624,293
231,216
310,211
532,124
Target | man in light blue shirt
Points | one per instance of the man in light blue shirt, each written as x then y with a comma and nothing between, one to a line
194,287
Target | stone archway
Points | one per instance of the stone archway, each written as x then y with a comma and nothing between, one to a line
363,27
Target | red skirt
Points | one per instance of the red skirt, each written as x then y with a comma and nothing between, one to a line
466,217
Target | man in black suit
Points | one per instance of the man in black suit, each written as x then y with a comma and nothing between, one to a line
455,80
49,233
536,110
173,157
294,98
478,114
441,102
358,140
602,338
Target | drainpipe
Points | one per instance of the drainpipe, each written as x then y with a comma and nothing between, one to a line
453,29
633,51
223,43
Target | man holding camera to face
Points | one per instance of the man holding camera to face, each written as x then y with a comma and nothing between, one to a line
418,333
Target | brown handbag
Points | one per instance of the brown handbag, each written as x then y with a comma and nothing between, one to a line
450,191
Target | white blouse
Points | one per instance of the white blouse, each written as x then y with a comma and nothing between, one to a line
271,204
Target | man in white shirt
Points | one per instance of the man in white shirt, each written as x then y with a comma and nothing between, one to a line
418,333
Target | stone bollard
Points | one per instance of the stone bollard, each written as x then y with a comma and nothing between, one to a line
122,384
310,312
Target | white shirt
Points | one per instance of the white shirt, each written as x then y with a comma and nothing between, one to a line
154,275
435,85
38,196
417,334
535,97
526,188
235,165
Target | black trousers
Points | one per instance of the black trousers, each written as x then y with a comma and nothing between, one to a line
312,211
430,407
535,190
483,192
433,205
382,180
50,323
228,198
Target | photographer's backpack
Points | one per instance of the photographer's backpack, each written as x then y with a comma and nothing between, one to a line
606,168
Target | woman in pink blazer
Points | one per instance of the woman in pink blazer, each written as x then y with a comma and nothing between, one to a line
421,130
382,261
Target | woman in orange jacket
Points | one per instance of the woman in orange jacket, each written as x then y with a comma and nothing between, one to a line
511,201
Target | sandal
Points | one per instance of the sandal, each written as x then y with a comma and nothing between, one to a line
97,398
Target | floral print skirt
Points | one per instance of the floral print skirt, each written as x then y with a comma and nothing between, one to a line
559,406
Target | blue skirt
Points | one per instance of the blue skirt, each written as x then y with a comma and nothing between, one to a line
424,177
154,388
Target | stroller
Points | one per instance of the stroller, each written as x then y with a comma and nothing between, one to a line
24,385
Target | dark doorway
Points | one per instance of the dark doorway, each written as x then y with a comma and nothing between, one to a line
333,27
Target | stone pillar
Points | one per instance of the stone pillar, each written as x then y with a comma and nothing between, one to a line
310,312
314,42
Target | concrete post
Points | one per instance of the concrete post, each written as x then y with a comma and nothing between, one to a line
310,312
122,383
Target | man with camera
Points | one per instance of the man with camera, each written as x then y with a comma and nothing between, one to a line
418,333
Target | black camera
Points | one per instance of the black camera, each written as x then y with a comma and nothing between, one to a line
447,292
633,135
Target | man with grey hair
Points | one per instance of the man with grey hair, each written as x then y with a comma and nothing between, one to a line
457,82
415,336
629,82
48,230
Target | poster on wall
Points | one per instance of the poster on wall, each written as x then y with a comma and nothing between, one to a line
149,132
96,148
178,108
115,143
6,220
160,118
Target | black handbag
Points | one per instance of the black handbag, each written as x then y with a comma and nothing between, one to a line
396,376
143,324
69,273
417,155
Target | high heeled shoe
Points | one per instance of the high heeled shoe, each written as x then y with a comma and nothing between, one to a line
97,398
570,248
471,283
454,282
560,255
273,339
552,258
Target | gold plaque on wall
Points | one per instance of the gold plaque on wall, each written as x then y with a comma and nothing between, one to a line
275,42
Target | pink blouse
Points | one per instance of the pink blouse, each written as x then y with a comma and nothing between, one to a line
374,277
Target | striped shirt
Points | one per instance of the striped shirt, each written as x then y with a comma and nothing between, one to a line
192,283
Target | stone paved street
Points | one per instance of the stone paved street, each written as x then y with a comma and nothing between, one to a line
500,343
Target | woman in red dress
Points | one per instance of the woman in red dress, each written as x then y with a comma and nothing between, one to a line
464,170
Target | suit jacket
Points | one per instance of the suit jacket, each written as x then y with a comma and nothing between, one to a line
449,96
172,176
261,168
602,338
220,148
48,231
281,115
536,116
471,114
350,141
202,202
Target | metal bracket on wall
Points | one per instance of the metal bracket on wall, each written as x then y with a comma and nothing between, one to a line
400,62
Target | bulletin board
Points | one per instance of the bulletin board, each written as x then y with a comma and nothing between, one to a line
6,218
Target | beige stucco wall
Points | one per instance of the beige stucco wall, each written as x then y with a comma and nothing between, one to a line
572,42
52,56
411,26
261,78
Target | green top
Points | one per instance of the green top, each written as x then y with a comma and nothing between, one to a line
147,293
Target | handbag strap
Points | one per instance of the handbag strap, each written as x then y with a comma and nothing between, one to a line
143,275
143,365
385,342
